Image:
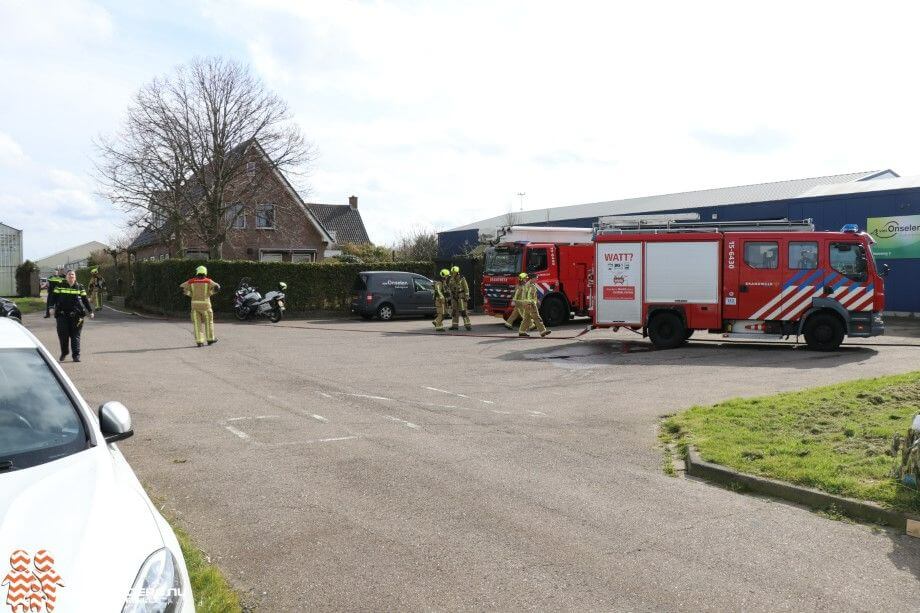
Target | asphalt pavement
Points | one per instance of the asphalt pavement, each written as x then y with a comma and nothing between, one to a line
349,465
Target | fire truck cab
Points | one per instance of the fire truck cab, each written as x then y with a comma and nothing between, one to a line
560,258
755,280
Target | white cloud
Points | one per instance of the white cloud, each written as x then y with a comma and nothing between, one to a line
11,154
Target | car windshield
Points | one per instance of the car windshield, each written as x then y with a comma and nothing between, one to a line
38,421
502,261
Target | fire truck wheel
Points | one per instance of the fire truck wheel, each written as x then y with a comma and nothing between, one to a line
553,311
666,331
823,332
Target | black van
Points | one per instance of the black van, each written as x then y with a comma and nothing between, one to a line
386,293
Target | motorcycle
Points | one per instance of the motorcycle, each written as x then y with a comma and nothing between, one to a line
248,302
9,309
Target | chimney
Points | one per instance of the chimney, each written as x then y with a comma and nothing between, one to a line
353,203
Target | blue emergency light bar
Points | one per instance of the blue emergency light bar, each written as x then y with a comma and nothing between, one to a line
850,227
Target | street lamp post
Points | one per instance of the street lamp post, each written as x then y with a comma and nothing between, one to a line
521,196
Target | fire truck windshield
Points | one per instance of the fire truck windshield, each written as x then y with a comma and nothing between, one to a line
502,261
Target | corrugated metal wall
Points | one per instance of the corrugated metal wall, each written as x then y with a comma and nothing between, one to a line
902,286
10,259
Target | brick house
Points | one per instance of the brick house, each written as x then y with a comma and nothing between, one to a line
275,226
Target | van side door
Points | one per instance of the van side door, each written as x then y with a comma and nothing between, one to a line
422,294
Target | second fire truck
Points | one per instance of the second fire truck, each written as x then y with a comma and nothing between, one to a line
561,259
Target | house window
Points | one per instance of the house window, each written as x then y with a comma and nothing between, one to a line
299,257
803,255
236,216
265,216
196,254
761,254
271,256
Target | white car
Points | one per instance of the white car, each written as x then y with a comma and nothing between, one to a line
76,527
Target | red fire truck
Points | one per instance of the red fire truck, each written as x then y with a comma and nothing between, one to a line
561,259
754,280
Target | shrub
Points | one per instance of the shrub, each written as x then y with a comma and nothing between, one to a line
314,286
27,279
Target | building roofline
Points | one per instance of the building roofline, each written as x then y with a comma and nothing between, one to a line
70,249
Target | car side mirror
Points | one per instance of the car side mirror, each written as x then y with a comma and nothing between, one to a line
115,421
885,270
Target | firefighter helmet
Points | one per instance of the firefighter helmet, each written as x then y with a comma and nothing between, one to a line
522,276
445,272
282,285
455,269
201,270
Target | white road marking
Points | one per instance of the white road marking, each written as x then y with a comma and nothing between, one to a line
366,396
256,417
435,389
330,440
408,424
324,394
239,433
501,412
320,418
536,412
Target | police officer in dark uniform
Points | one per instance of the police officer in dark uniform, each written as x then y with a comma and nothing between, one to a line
70,306
53,281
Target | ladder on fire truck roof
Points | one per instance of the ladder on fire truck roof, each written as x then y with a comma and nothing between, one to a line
635,225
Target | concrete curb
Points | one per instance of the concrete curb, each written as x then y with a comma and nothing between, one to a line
816,499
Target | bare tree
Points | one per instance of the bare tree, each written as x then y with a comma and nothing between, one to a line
417,244
194,149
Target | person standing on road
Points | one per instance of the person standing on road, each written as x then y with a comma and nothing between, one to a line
440,300
200,289
96,287
459,297
53,281
518,303
529,300
70,306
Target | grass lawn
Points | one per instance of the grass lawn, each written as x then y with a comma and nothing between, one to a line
836,438
30,305
211,590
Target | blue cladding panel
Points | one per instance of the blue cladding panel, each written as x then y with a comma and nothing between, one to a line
456,242
902,287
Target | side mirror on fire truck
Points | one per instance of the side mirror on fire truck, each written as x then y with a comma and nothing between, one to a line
885,270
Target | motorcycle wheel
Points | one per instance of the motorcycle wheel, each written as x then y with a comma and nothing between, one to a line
275,317
241,315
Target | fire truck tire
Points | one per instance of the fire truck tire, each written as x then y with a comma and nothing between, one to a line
667,331
824,332
688,334
553,311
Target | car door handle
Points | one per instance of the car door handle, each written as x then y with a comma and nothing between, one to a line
743,288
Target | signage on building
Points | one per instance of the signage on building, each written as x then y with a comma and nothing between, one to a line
895,237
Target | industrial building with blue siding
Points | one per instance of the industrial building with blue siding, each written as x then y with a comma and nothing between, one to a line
881,201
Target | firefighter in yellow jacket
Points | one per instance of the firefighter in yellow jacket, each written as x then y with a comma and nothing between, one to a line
459,297
528,304
200,289
440,300
518,312
96,287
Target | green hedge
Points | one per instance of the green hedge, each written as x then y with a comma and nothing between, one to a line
311,287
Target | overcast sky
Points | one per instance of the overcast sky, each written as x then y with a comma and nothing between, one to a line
439,113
